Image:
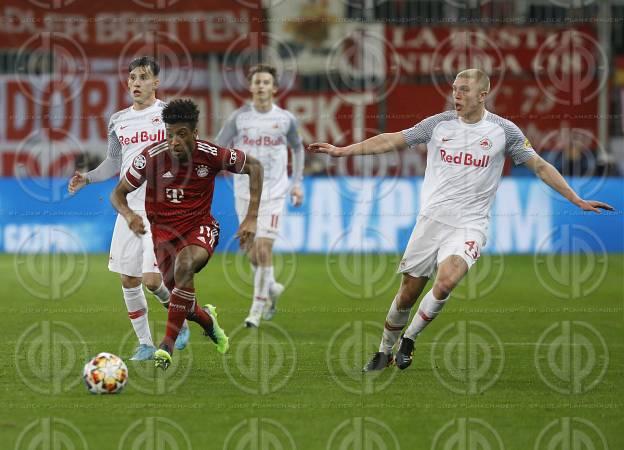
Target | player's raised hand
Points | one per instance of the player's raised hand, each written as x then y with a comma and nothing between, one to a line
595,206
135,223
77,182
246,233
297,196
323,147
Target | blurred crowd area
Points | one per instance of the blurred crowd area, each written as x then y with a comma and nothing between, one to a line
349,69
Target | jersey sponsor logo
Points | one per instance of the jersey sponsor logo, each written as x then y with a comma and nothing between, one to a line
139,162
175,195
485,144
232,157
202,171
142,136
263,140
464,159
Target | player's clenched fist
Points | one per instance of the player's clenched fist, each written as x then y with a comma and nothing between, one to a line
135,223
246,233
77,182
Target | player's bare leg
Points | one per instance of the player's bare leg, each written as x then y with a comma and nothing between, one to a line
450,273
398,315
190,260
154,283
263,281
136,304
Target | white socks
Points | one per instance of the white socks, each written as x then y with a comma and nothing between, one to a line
163,295
262,282
395,321
137,312
428,309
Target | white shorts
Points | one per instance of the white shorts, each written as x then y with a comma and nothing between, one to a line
432,242
130,254
269,215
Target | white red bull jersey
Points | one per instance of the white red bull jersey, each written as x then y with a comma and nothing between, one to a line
265,136
464,165
129,132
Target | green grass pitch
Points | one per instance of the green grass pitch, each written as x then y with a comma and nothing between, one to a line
528,354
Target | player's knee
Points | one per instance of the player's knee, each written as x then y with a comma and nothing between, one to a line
184,270
151,285
444,285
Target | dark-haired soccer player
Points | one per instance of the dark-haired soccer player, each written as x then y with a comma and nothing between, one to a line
179,175
466,150
264,130
132,256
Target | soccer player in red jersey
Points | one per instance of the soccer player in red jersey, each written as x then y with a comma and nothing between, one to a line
179,173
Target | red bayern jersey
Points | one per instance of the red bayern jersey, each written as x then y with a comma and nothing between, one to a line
179,194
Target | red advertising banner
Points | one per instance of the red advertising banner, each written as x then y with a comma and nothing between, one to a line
116,26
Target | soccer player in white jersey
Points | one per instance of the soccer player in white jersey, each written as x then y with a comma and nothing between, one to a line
264,130
466,150
129,132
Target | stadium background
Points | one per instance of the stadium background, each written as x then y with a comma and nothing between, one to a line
349,69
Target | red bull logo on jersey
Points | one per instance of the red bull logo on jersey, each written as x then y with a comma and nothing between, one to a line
263,140
142,136
464,159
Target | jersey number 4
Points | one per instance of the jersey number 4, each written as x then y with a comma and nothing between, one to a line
472,249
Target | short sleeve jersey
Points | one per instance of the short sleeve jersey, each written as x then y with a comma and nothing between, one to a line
129,132
178,195
464,165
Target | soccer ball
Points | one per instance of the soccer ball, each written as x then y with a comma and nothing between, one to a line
105,374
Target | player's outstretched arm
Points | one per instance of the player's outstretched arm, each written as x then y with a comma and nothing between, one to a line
549,175
247,229
382,143
120,203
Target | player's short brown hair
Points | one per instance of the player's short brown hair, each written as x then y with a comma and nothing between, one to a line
479,76
181,110
263,68
145,61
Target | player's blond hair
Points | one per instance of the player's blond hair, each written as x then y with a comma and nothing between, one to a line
479,76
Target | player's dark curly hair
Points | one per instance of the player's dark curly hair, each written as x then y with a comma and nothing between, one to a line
263,68
145,61
181,110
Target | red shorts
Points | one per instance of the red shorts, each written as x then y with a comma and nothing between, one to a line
205,236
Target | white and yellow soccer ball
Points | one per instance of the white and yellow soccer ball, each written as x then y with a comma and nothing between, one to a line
105,374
